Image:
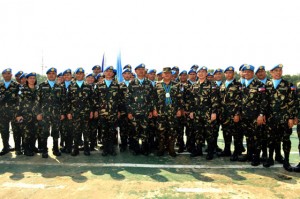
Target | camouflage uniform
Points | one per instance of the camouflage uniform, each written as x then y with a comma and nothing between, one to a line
51,104
27,100
139,103
253,105
203,102
93,128
167,120
281,108
230,102
8,103
107,100
80,105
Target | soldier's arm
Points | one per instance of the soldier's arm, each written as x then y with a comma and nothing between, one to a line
129,99
292,102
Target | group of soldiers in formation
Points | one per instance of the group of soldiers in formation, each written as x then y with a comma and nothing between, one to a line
153,112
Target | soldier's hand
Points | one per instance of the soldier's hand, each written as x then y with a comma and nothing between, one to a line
39,117
20,118
96,114
130,116
150,115
213,117
62,117
91,115
192,115
155,114
178,114
265,120
236,118
291,123
296,121
260,120
69,116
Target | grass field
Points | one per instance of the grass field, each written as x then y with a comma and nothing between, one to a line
127,176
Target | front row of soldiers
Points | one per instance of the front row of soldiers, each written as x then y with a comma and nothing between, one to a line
264,111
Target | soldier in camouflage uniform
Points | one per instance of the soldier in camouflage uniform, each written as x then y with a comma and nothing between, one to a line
107,101
252,115
203,109
230,107
167,109
96,70
123,121
26,116
51,109
139,104
175,73
8,100
297,122
281,113
80,110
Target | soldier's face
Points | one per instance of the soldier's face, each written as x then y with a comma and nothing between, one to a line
202,74
218,76
183,77
229,75
97,71
151,76
261,74
60,79
159,77
7,76
192,76
31,80
109,74
90,80
67,77
167,76
242,74
126,76
276,73
140,72
18,78
80,76
51,76
23,81
210,78
249,74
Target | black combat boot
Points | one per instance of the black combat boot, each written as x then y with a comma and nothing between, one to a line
86,148
123,145
55,148
75,150
44,149
171,148
226,152
278,157
17,140
145,148
197,151
210,152
286,162
270,160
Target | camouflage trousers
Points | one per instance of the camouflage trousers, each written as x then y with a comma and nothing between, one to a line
47,123
231,130
107,129
167,126
80,128
7,118
203,129
66,129
93,129
140,124
125,129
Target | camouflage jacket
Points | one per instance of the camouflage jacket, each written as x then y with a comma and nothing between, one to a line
107,99
140,97
27,100
80,100
230,99
253,100
122,105
160,96
204,98
185,89
9,96
281,101
51,101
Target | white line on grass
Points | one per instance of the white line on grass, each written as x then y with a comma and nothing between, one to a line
198,190
30,186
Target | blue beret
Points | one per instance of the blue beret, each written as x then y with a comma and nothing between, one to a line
19,73
126,70
115,71
67,71
96,66
210,74
79,70
242,66
32,74
183,72
108,68
229,68
195,67
159,73
60,74
175,68
202,68
23,76
91,75
277,66
151,71
140,66
8,70
219,70
51,70
173,72
248,67
192,71
127,66
260,68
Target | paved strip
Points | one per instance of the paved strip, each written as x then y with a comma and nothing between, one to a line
198,190
30,186
132,165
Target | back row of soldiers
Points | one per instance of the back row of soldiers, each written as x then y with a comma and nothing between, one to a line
155,112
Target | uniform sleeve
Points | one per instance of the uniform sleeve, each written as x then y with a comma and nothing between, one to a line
292,102
215,99
262,101
129,99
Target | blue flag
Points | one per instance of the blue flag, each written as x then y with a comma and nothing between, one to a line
103,63
119,68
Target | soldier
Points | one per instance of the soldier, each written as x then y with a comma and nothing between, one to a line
26,116
107,100
242,74
167,109
253,114
192,76
123,120
281,113
140,99
66,124
175,69
297,122
210,77
18,75
23,79
9,90
230,100
51,109
60,78
159,76
96,69
203,109
80,111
